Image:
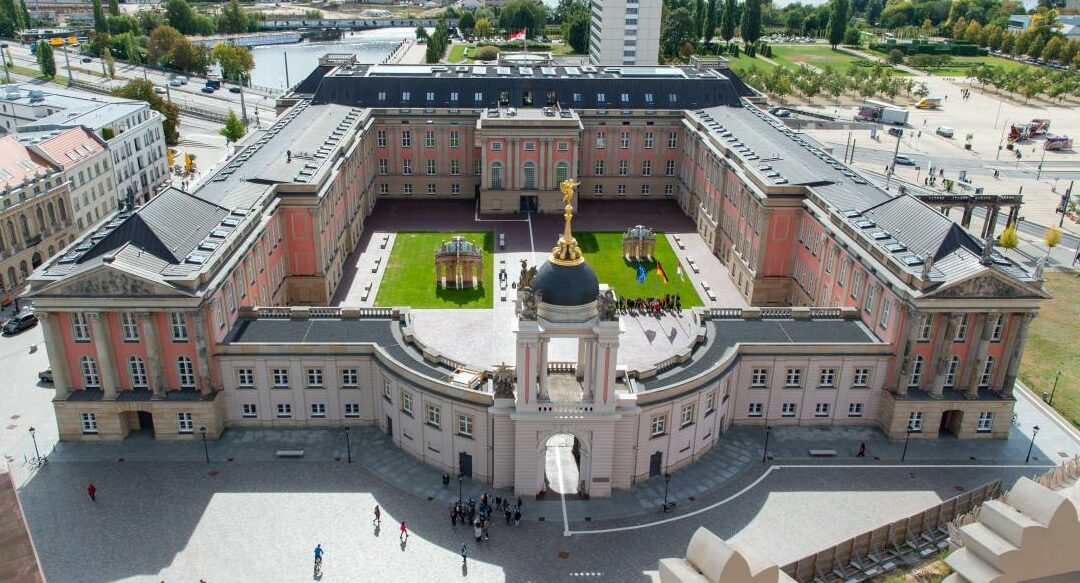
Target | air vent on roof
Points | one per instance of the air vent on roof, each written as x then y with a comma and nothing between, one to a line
240,212
912,260
879,235
207,246
219,233
851,214
895,248
195,259
865,224
230,222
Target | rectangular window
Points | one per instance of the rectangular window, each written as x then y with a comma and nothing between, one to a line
886,307
999,325
856,281
868,301
787,410
281,377
598,190
669,190
827,377
710,402
406,167
431,189
861,378
843,273
831,261
754,410
478,97
352,410
659,425
284,410
496,146
794,377
854,409
669,168
382,96
455,167
384,166
405,96
601,98
564,146
184,423
406,402
249,410
599,167
624,167
381,135
245,377
646,189
318,410
646,168
186,372
624,140
688,411
349,378
80,330
914,422
950,374
821,410
454,96
464,425
384,189
759,377
926,324
987,373
315,377
89,423
429,138
406,139
986,422
129,326
455,189
620,189
431,167
600,139
530,146
672,139
648,139
455,139
961,330
916,372
407,189
434,415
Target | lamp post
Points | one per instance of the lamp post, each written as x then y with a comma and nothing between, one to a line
1041,160
907,439
1034,432
67,60
667,482
460,479
892,165
37,453
206,451
348,445
1054,390
765,454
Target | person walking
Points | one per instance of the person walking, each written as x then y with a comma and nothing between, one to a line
477,532
404,536
453,515
862,449
464,554
92,491
508,514
517,517
378,516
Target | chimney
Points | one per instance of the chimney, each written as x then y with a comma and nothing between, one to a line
988,250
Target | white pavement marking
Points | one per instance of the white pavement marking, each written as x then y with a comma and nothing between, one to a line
1049,412
562,493
753,484
532,246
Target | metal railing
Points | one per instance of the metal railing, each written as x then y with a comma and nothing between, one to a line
559,366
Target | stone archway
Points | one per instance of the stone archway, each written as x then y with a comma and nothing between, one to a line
568,443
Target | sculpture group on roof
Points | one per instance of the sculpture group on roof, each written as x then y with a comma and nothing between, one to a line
458,264
638,242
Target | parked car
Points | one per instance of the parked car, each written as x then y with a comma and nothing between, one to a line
207,89
180,79
904,160
87,60
782,113
46,376
234,89
175,82
895,132
160,90
20,322
945,131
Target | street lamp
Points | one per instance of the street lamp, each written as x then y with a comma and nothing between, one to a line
892,166
460,479
765,454
1041,160
667,482
1054,390
348,445
1034,432
37,454
206,451
907,439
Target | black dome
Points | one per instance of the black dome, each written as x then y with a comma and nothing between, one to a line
562,285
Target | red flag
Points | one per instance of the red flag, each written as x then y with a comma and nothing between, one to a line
660,272
519,35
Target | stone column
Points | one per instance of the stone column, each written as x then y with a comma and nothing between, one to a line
991,222
152,340
54,345
202,349
978,357
103,342
589,364
965,221
942,354
542,367
1014,213
1017,351
976,325
905,355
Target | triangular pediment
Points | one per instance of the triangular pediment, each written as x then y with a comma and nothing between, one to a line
107,281
988,285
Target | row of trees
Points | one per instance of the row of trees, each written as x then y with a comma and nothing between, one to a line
699,21
436,42
1041,41
865,82
13,17
1029,82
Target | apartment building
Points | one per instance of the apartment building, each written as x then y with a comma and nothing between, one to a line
84,159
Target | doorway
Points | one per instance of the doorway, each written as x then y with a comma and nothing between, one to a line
951,422
562,465
146,421
389,427
465,465
656,464
529,204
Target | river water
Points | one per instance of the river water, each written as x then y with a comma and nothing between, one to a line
369,46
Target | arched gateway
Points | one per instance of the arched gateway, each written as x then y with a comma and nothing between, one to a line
562,299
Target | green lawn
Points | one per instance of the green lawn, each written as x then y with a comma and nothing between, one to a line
960,65
457,53
409,279
603,252
817,55
1051,346
743,62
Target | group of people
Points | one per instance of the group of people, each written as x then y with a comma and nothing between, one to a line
480,514
654,306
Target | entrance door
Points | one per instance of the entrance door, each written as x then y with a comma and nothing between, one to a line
951,422
465,464
389,427
146,421
656,464
529,204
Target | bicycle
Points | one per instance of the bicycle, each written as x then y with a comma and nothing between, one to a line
668,507
318,567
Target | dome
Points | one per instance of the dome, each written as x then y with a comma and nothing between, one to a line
566,285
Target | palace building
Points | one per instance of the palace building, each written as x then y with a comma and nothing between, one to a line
212,308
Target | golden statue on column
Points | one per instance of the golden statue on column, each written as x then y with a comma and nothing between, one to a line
566,251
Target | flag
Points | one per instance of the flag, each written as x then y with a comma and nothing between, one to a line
640,273
519,35
660,272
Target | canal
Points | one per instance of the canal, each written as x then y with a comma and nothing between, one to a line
369,46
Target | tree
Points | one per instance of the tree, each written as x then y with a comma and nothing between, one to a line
750,27
699,20
114,8
565,8
838,21
677,29
110,64
466,22
1051,238
234,128
100,24
421,34
727,21
161,44
523,14
183,18
235,61
1053,49
873,11
232,19
190,57
896,56
1008,239
575,31
7,26
24,13
142,90
484,29
710,21
46,60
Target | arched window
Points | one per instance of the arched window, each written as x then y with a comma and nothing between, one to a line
25,224
11,233
2,288
916,372
562,172
91,379
25,273
35,260
137,372
40,219
987,373
52,250
63,210
185,372
496,175
530,175
11,277
52,215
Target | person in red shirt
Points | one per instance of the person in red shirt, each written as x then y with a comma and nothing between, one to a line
92,491
404,536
